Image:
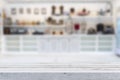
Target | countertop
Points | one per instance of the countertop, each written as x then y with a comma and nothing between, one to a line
60,63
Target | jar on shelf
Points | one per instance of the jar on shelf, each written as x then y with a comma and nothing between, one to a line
61,10
72,11
69,25
7,21
83,27
76,28
53,10
108,9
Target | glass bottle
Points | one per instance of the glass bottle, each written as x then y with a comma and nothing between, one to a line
61,10
69,25
53,10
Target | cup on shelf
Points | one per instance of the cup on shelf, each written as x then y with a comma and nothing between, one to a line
61,32
91,31
53,10
76,27
53,32
100,28
72,11
6,30
108,29
38,22
84,12
101,12
33,22
83,27
61,10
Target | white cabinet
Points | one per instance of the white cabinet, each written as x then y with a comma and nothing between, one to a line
60,44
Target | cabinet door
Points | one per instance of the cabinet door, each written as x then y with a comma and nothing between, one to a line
88,43
12,44
43,44
74,45
106,43
64,45
53,45
29,44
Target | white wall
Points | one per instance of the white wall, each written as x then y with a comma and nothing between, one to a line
2,2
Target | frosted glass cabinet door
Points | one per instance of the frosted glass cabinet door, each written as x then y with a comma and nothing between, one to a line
74,45
105,43
30,44
43,45
53,45
12,43
63,43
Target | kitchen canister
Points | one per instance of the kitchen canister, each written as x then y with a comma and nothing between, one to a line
83,27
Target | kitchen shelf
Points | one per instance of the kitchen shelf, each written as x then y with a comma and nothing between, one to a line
86,17
95,19
92,17
74,18
55,1
36,26
60,36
